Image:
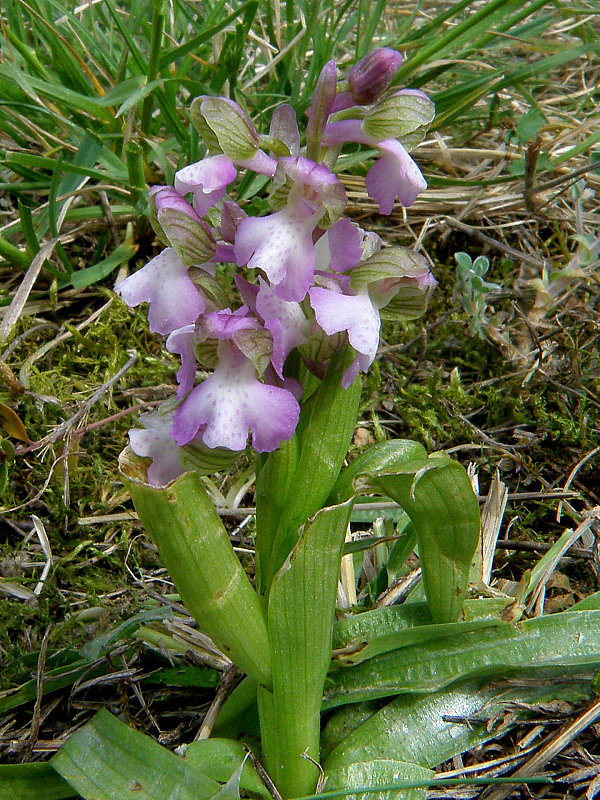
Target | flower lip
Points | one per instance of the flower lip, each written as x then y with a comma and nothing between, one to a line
165,284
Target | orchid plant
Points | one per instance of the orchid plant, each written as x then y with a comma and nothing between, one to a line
312,287
279,371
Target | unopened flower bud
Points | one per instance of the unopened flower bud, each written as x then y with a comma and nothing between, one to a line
371,76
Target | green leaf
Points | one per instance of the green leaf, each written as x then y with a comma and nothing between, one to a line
363,636
107,760
273,482
562,641
33,782
432,728
108,640
436,494
89,275
198,677
380,457
381,772
191,539
239,712
301,608
54,679
220,758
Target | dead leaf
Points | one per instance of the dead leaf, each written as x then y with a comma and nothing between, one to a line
12,424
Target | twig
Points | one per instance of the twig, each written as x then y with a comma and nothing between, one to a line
540,547
226,686
570,479
21,451
504,248
87,406
263,774
551,749
39,693
384,505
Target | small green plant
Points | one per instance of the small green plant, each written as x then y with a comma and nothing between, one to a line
473,290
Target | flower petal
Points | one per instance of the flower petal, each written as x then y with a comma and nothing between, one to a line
155,442
207,179
286,322
340,248
336,312
281,246
231,402
395,174
181,341
165,284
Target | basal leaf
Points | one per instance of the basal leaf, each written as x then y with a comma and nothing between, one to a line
436,493
107,760
33,782
378,772
569,640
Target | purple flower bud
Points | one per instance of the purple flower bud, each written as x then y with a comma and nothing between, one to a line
284,126
371,76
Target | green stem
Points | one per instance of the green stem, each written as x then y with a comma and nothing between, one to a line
158,21
134,158
13,255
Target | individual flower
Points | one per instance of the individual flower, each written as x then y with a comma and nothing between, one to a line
403,116
233,401
395,278
207,180
167,460
164,283
281,244
394,175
